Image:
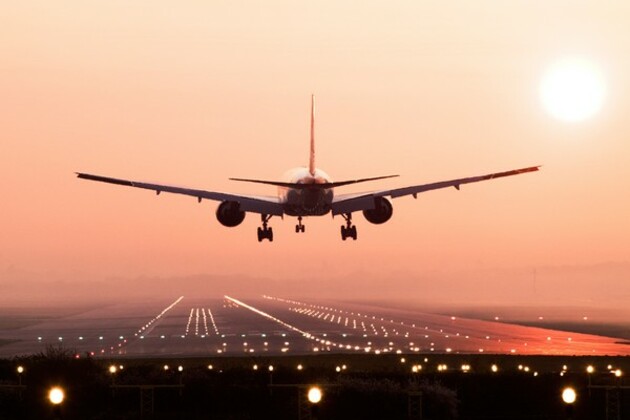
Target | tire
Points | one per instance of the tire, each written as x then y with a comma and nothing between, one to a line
270,235
260,235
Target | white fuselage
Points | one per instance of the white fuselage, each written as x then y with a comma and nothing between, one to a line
306,201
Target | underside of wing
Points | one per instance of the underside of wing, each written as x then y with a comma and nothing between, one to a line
248,203
348,203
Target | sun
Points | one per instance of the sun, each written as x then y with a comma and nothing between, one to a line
573,90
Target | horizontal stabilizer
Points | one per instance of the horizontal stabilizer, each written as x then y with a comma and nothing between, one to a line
324,185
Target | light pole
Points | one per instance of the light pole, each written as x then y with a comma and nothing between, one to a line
112,371
180,369
314,397
20,371
569,396
56,395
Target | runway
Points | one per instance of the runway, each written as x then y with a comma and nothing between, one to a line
272,325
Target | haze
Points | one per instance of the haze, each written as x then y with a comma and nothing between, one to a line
194,93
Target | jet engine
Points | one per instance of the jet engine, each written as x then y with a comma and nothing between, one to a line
381,212
229,213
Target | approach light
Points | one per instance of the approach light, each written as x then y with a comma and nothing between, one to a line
112,369
56,395
568,395
494,368
618,373
314,395
180,368
20,369
590,369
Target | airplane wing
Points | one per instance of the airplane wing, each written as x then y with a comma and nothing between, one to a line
248,203
348,203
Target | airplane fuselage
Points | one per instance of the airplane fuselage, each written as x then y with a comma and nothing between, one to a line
306,201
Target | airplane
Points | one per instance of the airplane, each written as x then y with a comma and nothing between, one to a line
306,191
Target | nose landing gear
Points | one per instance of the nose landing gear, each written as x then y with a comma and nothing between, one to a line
348,231
299,227
265,232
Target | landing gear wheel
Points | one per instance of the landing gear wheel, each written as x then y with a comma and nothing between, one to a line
299,227
348,231
265,232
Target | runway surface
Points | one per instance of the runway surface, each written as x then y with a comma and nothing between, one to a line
271,325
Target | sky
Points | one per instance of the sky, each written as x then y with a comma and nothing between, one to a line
193,93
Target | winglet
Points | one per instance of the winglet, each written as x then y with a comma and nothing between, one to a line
311,162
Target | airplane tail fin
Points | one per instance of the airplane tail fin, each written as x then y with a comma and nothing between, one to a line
311,161
311,168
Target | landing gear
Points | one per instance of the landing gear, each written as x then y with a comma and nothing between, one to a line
265,232
349,230
299,227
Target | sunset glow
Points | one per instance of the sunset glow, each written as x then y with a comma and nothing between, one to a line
192,94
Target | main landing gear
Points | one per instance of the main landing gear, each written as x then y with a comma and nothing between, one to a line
265,232
349,230
299,227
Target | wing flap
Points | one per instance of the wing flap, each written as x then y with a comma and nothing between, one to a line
350,205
